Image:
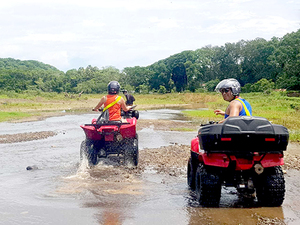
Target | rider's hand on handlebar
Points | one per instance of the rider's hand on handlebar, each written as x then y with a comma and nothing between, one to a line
98,110
132,107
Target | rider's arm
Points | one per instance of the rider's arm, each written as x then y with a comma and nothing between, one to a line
219,112
102,101
123,105
234,108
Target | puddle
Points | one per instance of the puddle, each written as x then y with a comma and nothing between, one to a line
63,191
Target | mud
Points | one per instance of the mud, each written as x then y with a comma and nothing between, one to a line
292,157
177,155
168,125
28,136
63,190
161,172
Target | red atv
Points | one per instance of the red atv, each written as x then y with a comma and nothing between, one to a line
243,152
104,138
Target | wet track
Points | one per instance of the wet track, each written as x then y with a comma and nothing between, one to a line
63,191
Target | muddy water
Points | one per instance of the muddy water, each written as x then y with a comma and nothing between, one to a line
61,190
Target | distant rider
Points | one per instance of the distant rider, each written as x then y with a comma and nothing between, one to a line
230,89
129,98
113,89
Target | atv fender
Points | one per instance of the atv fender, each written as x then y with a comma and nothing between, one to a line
195,145
214,159
272,159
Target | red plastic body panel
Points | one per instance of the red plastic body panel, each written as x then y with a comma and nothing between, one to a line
223,160
91,132
129,130
195,145
244,164
215,159
271,160
108,131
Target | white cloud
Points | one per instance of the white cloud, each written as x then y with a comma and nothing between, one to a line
164,23
48,37
58,58
222,28
92,23
8,50
238,15
72,34
271,25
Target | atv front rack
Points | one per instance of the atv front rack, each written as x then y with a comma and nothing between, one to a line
109,123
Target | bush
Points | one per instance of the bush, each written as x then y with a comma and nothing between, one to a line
263,85
247,88
211,85
162,89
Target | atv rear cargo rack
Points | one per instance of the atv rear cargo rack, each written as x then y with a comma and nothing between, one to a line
243,134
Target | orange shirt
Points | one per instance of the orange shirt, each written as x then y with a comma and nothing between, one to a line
115,110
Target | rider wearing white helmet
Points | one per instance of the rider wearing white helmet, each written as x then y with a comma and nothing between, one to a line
230,89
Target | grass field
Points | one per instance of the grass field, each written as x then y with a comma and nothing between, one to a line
276,106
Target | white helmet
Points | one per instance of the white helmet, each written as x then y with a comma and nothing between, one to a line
229,83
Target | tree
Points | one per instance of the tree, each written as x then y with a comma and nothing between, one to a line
289,83
287,58
255,64
159,75
226,61
136,76
179,77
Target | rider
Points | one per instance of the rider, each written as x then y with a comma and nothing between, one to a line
129,98
230,89
113,89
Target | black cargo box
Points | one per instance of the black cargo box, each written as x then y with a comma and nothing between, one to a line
243,134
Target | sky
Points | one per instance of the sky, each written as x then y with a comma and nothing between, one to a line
69,34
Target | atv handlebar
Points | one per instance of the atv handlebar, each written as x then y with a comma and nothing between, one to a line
101,109
133,107
209,123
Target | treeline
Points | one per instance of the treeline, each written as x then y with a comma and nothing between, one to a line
257,64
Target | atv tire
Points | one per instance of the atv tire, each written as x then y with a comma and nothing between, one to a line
270,188
191,173
135,114
208,187
132,152
87,150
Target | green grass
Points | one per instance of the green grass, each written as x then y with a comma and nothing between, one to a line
31,105
7,116
276,106
182,129
174,98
